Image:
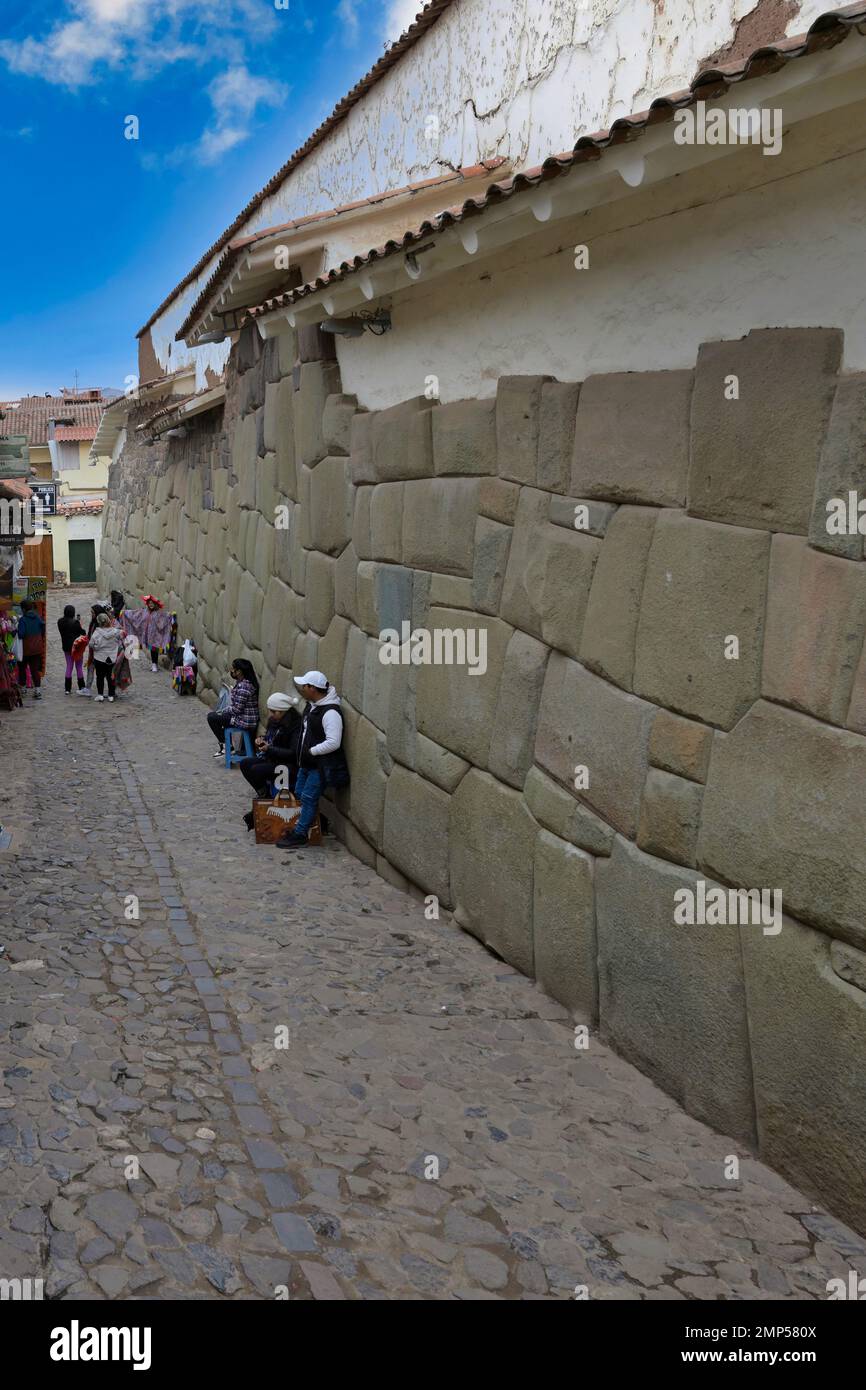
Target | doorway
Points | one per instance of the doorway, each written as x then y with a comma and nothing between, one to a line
82,562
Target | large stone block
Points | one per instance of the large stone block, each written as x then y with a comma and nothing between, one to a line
361,448
808,1036
563,924
680,746
670,816
262,559
318,381
631,438
556,434
284,439
268,494
548,577
337,423
610,624
784,808
586,723
320,591
362,535
498,498
416,831
346,584
332,650
518,408
331,506
437,765
455,707
250,602
842,468
672,997
439,524
366,752
516,718
464,438
816,618
244,455
557,810
491,848
277,605
754,459
492,544
704,583
401,441
386,522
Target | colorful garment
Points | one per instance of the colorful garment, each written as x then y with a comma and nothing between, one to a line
151,629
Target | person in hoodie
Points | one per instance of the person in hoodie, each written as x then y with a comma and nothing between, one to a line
106,644
321,756
31,630
70,629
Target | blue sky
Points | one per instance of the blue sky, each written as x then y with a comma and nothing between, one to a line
97,228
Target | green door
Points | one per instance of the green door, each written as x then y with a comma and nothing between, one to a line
82,562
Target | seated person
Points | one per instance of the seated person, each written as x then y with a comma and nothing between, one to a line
275,750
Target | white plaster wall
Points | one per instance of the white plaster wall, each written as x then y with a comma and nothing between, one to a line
522,78
787,254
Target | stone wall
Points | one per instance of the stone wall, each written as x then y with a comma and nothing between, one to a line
610,648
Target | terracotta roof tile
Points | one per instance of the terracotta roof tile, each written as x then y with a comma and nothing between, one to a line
30,415
827,31
240,244
392,55
75,432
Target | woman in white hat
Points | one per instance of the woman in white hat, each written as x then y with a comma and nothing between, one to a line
275,750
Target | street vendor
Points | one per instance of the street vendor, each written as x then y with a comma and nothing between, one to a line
151,625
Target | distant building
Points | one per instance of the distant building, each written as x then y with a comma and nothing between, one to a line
72,484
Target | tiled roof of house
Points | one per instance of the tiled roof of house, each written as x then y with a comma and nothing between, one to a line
15,489
240,244
81,506
76,432
392,55
31,414
711,82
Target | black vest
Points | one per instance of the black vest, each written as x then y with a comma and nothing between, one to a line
333,766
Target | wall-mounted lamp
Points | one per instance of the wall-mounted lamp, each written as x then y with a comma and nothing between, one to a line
353,326
179,432
216,335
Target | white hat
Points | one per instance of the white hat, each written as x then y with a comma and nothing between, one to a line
312,678
279,700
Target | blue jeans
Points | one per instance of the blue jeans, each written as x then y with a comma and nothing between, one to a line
308,789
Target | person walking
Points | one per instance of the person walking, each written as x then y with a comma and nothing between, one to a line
70,630
321,756
243,710
31,631
105,645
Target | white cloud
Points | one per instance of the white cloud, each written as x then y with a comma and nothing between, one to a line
399,15
141,38
347,13
236,96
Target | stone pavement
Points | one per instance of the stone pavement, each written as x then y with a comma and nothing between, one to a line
148,1046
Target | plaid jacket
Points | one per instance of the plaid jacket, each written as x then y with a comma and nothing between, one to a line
245,706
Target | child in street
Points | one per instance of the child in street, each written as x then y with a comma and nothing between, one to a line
70,629
106,645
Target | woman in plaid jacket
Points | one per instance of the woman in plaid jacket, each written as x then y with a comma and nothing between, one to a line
243,711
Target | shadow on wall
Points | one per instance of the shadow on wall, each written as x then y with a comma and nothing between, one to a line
673,699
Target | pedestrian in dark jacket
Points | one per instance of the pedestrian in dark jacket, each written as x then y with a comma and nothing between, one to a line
70,628
243,711
31,630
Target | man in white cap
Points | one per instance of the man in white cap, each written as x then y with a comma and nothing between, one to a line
321,756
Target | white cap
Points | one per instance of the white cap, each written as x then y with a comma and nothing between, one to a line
279,700
312,678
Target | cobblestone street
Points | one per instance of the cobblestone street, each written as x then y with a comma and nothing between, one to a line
306,1167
